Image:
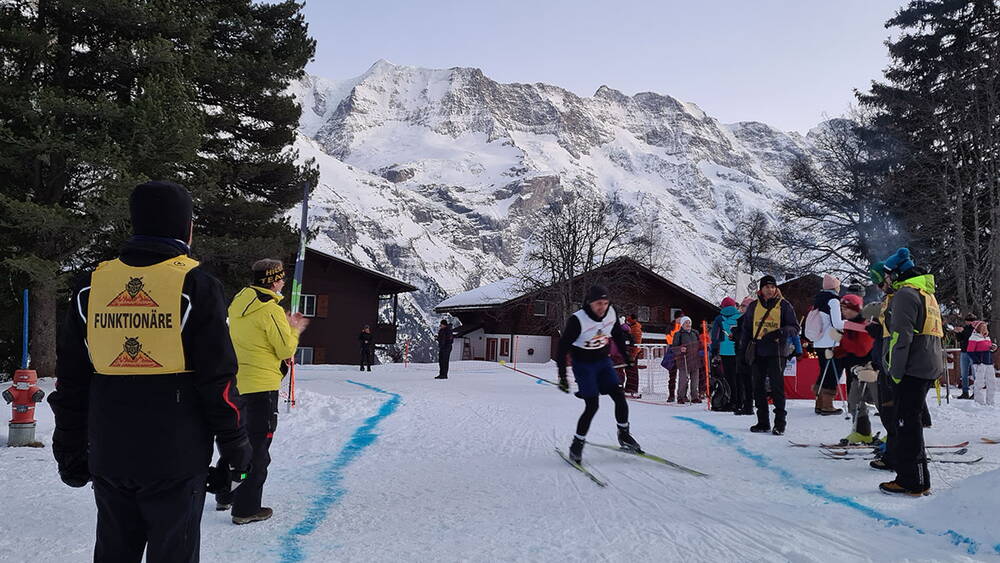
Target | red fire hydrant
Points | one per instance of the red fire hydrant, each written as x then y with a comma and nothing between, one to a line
23,395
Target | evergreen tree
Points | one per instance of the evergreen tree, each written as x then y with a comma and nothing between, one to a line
941,101
98,95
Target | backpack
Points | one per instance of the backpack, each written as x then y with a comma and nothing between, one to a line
813,327
721,395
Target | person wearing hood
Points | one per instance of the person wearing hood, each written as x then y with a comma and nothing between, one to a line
827,303
770,326
913,361
586,339
723,345
265,338
145,381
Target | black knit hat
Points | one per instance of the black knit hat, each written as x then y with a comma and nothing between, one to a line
767,280
161,209
596,292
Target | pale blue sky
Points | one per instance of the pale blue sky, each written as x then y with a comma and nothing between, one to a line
784,62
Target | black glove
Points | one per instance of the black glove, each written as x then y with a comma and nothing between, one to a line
73,470
563,383
237,453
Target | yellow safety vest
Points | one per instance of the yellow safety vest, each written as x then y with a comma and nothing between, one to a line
771,323
932,316
134,317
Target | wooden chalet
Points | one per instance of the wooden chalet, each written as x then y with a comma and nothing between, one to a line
340,297
501,321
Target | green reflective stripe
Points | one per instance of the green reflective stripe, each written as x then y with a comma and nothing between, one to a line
888,362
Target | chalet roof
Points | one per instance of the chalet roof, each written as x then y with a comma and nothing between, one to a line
510,289
391,284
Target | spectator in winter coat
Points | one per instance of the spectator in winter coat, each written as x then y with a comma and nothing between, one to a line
445,338
672,374
265,337
913,360
981,350
827,302
365,342
142,413
687,357
743,391
770,323
854,351
964,333
723,345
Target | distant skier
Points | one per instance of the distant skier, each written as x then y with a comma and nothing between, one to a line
365,341
586,339
445,338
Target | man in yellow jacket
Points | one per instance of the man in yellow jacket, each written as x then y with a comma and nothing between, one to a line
264,337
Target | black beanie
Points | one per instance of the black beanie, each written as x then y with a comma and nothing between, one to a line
161,209
596,292
767,280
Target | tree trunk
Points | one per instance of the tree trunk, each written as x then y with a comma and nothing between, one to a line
43,330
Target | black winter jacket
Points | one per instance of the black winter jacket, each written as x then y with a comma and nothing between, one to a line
149,427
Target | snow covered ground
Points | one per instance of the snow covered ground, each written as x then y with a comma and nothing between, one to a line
395,466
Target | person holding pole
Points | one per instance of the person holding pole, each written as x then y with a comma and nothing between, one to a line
265,338
587,340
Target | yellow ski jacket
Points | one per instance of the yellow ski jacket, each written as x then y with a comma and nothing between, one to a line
262,338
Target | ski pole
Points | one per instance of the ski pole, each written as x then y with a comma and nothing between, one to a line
550,382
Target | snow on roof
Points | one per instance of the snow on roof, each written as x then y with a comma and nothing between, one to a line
491,294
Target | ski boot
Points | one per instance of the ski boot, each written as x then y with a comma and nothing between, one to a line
626,441
576,450
858,438
894,488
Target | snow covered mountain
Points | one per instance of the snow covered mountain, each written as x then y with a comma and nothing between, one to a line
434,175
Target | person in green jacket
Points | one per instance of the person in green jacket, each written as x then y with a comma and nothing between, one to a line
265,338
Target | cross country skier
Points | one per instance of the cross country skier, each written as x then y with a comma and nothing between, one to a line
586,339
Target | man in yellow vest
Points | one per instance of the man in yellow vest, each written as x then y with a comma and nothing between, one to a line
912,358
265,337
769,324
146,380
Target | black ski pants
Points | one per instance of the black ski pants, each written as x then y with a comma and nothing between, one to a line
162,517
366,356
769,372
743,392
729,374
829,370
910,460
260,410
444,355
593,403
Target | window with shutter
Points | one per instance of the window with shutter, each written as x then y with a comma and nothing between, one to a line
322,306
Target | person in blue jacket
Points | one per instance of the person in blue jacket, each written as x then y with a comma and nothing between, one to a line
723,348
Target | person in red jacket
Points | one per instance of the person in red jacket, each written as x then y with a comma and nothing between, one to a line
852,352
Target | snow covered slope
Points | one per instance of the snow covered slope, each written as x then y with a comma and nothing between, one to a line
417,469
435,175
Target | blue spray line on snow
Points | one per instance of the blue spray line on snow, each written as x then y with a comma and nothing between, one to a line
331,477
764,462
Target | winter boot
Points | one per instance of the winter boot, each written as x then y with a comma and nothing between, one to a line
626,441
826,403
576,450
441,377
222,507
880,464
819,406
670,398
262,514
763,424
894,488
964,395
